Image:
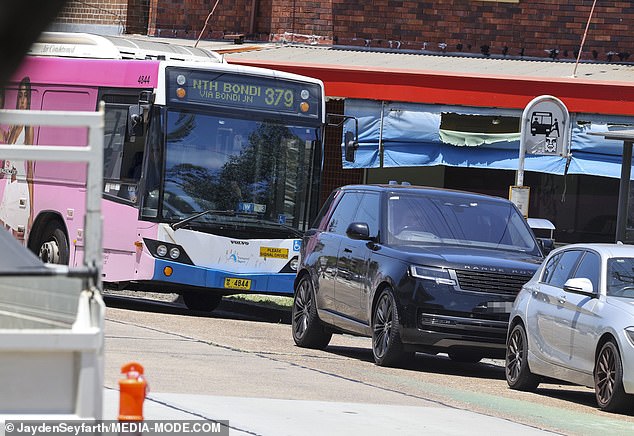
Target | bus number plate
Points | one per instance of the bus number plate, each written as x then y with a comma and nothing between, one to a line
233,283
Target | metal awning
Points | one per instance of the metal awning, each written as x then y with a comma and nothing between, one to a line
452,79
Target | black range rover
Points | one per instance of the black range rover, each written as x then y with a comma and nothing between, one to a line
416,269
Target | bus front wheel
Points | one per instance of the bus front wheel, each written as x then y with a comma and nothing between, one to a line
53,245
204,302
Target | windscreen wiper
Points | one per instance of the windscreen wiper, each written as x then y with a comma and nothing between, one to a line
177,225
271,224
276,225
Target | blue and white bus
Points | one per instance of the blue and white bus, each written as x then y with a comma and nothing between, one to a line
211,171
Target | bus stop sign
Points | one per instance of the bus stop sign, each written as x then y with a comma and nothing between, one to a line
545,127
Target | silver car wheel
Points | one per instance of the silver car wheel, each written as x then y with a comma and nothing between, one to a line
518,374
608,379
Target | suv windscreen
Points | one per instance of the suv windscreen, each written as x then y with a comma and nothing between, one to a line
449,219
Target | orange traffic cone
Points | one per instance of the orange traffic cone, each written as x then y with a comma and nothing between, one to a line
132,391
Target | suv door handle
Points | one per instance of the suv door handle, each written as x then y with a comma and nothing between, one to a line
347,250
562,299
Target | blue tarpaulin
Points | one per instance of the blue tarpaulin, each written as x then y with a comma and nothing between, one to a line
410,135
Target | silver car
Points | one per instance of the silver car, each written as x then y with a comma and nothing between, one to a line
574,321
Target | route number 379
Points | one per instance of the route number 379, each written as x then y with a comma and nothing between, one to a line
143,79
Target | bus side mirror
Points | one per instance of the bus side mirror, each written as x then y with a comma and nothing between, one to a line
350,138
350,145
135,121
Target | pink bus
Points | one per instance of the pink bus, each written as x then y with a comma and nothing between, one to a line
211,171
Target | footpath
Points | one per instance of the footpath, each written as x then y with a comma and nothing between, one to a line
274,417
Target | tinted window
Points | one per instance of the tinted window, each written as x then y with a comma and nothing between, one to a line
155,167
369,212
344,212
589,268
563,268
320,220
457,220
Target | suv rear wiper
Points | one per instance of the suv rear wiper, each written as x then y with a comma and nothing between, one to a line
177,225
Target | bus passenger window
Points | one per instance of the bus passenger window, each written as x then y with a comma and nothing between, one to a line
114,134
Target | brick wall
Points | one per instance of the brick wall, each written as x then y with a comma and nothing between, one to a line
137,16
103,12
308,17
536,26
186,18
531,28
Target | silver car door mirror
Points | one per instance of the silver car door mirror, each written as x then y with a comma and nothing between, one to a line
579,285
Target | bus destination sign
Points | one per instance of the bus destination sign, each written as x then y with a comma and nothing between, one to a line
240,91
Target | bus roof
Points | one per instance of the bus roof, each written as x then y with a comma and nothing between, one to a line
85,45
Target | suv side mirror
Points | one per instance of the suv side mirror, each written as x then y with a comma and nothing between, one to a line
579,285
359,231
546,244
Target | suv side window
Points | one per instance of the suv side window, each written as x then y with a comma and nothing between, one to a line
368,212
344,212
564,268
320,220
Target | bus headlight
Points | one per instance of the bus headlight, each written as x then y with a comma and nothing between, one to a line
161,250
167,251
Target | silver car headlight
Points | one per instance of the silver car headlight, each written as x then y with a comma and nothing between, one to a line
438,275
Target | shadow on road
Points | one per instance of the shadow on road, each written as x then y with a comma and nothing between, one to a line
358,353
428,363
573,394
228,309
582,396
